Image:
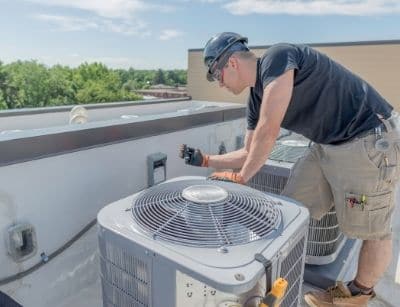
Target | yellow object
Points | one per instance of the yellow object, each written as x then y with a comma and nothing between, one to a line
363,198
279,288
274,297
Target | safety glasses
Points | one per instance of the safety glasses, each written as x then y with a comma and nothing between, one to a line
216,70
218,74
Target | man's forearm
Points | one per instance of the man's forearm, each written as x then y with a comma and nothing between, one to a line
231,160
261,146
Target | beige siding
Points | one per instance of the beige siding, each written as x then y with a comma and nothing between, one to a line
379,64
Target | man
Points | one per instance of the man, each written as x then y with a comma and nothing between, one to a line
353,163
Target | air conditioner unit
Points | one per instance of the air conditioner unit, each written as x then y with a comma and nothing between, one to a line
325,240
192,242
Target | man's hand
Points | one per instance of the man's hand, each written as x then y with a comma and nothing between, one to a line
193,156
227,176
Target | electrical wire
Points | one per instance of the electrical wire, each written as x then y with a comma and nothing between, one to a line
32,269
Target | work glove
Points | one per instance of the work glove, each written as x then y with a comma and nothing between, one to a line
227,176
193,156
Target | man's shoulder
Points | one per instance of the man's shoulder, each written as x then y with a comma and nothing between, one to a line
281,49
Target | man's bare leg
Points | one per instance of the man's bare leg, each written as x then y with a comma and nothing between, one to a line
373,261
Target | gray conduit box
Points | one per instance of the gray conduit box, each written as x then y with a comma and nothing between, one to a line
156,168
21,241
239,141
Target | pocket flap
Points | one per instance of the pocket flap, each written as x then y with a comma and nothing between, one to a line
390,173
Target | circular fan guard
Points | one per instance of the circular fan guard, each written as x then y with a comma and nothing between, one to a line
243,216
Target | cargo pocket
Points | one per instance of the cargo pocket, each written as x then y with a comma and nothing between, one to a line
368,214
386,163
380,211
373,156
390,173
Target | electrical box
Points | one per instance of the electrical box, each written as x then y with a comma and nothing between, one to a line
156,168
239,141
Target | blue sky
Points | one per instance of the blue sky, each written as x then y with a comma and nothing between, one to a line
147,34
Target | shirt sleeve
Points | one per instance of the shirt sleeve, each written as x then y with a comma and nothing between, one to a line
278,59
253,110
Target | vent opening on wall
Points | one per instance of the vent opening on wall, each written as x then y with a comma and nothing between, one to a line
21,241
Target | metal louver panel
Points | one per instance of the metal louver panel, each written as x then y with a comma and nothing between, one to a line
205,213
126,279
268,182
292,270
324,236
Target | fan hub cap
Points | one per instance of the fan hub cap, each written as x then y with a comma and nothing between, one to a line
204,194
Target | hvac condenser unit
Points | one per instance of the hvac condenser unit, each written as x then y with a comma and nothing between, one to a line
193,242
325,240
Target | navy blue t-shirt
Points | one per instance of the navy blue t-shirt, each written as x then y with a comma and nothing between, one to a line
329,103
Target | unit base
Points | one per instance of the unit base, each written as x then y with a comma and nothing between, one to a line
343,268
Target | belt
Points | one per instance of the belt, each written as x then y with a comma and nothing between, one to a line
378,130
392,123
387,125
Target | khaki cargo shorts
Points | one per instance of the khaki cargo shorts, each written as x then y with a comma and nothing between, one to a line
355,177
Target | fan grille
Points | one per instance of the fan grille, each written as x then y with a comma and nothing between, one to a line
245,215
288,150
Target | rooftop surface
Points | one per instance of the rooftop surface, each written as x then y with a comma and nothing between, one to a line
69,172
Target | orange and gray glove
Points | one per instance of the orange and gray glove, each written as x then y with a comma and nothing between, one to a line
193,156
227,176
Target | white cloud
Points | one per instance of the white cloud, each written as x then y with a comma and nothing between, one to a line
314,7
71,23
66,23
117,16
107,8
212,1
136,28
170,34
201,1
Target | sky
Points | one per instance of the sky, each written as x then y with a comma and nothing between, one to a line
148,34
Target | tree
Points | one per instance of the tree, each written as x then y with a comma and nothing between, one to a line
131,85
3,77
159,78
96,83
61,87
31,84
181,76
26,85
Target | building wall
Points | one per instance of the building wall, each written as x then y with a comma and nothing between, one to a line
376,62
